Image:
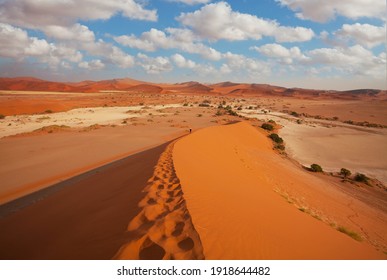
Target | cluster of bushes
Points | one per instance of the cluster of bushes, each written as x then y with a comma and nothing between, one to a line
226,111
359,177
365,123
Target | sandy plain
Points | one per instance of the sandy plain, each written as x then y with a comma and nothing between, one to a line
86,132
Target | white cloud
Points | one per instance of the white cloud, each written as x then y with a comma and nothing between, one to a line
293,34
76,32
322,11
176,39
218,21
120,58
191,2
154,65
182,62
42,13
95,64
285,55
355,60
15,43
240,63
364,34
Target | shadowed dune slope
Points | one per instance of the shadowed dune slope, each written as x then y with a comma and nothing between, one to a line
86,217
228,174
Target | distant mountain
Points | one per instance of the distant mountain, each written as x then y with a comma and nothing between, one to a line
191,87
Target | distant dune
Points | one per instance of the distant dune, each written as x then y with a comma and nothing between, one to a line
224,88
145,88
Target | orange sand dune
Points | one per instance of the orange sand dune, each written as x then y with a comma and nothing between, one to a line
228,175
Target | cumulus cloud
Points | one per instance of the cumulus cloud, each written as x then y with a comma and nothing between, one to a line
175,39
354,60
38,14
77,32
95,64
182,62
154,65
191,2
15,43
238,62
218,21
363,34
285,55
322,11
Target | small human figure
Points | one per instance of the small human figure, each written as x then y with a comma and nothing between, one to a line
190,130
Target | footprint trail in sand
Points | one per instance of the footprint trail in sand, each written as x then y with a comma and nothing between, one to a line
163,229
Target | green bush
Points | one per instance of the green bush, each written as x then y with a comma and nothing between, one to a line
275,137
316,168
345,172
359,177
232,113
280,147
267,126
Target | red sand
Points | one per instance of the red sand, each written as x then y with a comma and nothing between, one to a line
228,174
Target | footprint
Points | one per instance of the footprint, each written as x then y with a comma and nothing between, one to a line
151,201
186,244
151,251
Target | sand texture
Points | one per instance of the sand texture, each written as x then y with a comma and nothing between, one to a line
229,175
163,228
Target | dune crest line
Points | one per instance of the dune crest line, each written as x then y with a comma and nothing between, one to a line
163,229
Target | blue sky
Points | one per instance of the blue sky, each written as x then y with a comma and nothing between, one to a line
295,43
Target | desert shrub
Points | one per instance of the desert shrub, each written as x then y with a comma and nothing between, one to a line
240,108
267,126
206,101
271,121
275,137
280,147
232,113
2,116
228,107
49,111
345,172
295,114
359,177
185,104
199,115
316,168
204,105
